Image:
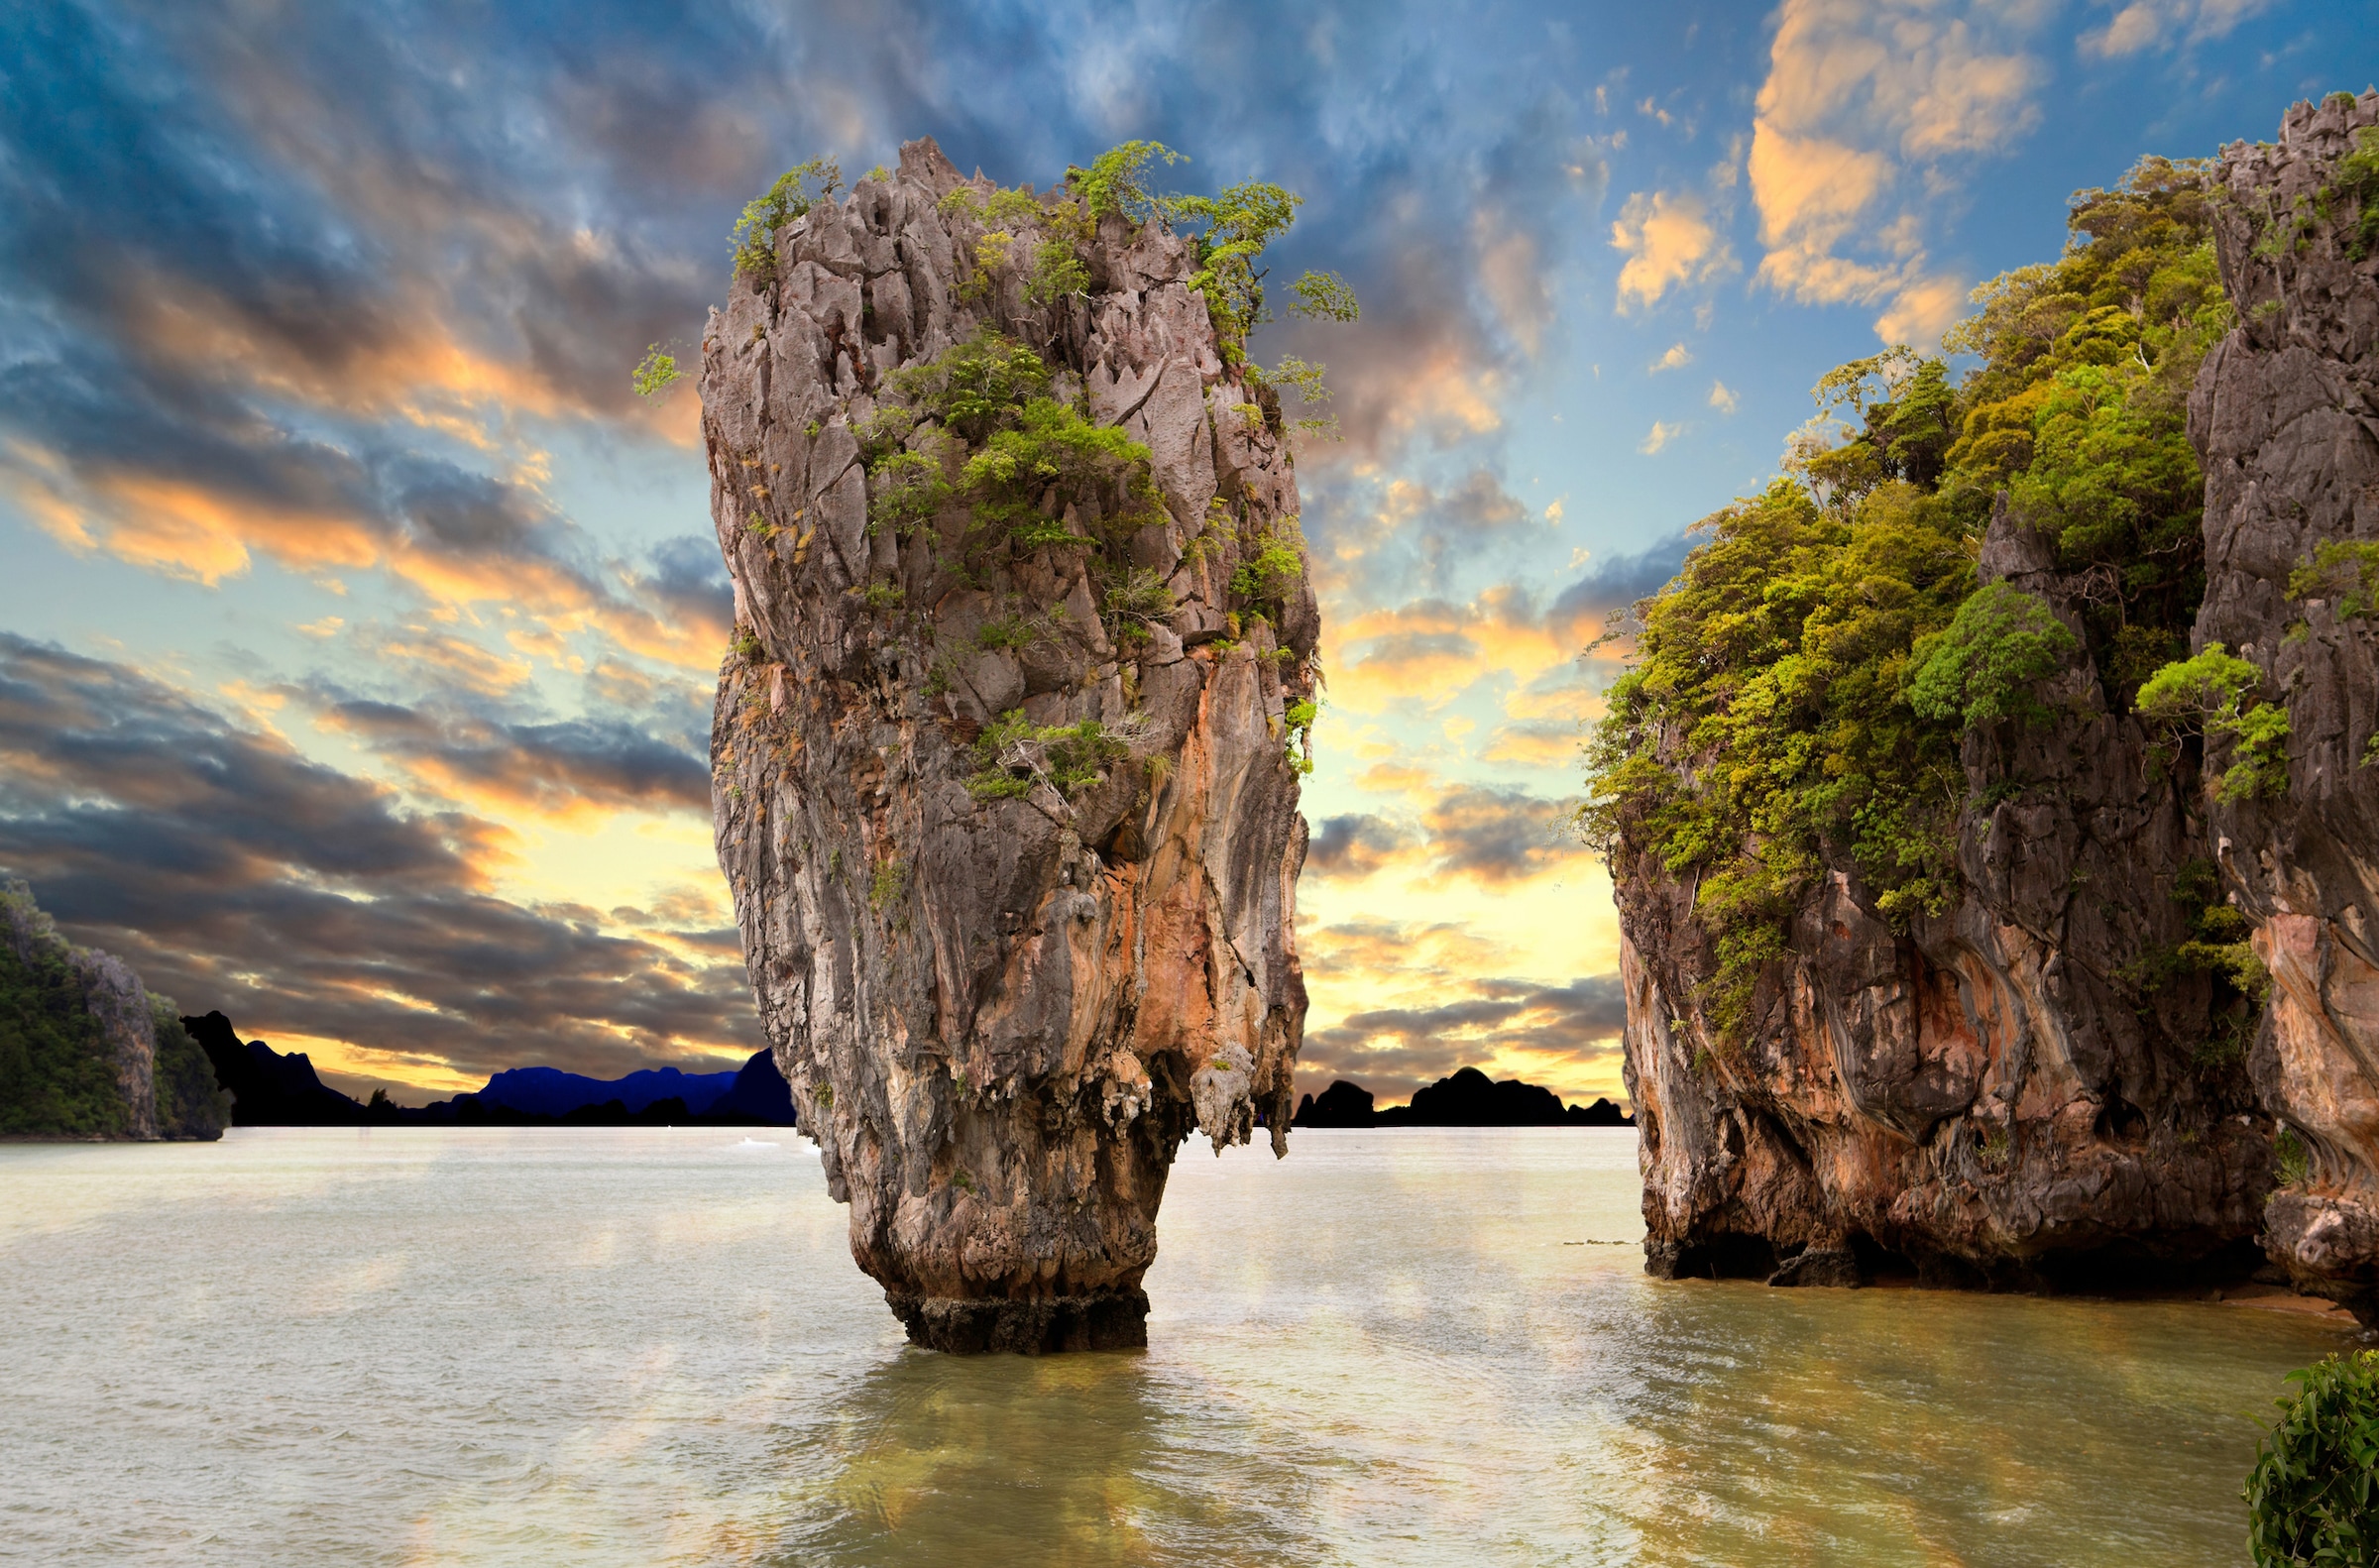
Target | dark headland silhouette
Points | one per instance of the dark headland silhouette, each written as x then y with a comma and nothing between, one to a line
1467,1099
271,1090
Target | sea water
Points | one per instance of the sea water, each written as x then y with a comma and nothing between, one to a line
639,1347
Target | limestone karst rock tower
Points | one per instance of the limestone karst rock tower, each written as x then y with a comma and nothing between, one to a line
1004,763
2286,414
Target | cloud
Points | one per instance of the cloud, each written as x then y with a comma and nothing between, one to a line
1866,104
1722,397
1470,834
1662,433
572,771
2149,24
1565,1036
234,872
1355,844
1669,243
1678,357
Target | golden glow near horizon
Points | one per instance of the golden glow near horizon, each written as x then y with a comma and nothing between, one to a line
362,626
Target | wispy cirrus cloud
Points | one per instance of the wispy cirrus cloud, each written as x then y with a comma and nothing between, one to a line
2141,25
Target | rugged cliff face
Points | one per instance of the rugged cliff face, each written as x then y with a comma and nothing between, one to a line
2287,416
2049,1081
1988,1098
1004,763
85,1052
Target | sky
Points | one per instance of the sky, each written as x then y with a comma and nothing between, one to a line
358,625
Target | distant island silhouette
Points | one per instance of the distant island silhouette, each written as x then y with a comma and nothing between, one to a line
1469,1098
271,1088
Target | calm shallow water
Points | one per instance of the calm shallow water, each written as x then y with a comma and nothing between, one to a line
609,1346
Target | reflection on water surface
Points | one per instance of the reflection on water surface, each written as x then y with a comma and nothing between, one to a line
617,1346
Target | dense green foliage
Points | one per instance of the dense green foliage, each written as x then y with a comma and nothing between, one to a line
1117,180
57,1075
2209,695
1800,690
58,1069
2001,643
2358,177
974,427
2313,1497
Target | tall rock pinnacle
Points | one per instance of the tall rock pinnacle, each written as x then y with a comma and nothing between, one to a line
1004,763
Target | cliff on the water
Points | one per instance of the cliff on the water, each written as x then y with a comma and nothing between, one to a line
2287,418
85,1052
1987,807
1006,759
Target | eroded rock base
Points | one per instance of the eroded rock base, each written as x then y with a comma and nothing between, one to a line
1028,1327
2327,1246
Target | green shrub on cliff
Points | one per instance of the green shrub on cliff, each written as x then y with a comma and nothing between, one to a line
2001,643
1799,690
2208,695
795,192
2313,1497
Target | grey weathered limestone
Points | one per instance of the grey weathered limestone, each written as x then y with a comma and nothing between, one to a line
2287,418
1001,1018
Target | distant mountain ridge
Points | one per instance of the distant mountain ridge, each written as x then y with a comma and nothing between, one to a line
549,1091
1468,1098
271,1088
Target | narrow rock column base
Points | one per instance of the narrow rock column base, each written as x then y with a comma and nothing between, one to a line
1029,1325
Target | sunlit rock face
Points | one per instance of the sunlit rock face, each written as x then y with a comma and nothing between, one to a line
2287,418
1981,1100
1001,1015
1988,1096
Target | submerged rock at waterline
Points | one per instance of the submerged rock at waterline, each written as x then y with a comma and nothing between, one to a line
1003,776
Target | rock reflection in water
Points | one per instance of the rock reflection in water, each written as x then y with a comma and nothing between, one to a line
1089,1459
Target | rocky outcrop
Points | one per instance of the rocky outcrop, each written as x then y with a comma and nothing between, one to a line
2287,418
2025,1091
85,1052
1993,1099
267,1087
1005,971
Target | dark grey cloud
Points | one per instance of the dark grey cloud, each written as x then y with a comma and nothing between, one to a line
1496,835
549,767
1393,1051
234,872
1474,831
1355,845
1582,610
